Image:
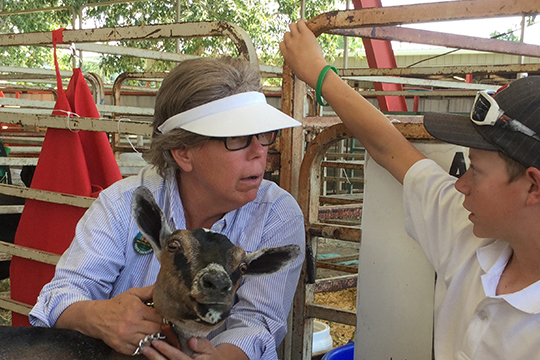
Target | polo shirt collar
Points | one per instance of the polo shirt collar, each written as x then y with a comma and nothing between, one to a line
493,259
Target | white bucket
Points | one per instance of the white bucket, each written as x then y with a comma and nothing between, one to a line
321,337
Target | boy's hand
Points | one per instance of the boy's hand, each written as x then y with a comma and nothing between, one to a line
302,52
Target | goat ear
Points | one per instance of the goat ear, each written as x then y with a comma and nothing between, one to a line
149,219
271,260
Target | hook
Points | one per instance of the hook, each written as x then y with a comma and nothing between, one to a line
74,55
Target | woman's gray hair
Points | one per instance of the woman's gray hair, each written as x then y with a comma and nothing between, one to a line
193,83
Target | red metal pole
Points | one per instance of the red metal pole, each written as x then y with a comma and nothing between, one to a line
380,55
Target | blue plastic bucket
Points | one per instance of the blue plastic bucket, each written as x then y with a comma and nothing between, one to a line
345,352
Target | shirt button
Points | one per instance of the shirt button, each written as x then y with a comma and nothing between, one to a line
482,315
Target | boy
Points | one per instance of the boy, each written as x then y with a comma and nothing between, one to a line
481,232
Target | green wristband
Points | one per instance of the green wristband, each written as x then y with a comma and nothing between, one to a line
318,89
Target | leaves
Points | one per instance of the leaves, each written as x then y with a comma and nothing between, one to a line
264,20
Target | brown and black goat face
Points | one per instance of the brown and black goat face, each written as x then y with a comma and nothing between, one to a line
200,269
206,267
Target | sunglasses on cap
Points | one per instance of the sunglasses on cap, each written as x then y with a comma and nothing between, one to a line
234,143
486,111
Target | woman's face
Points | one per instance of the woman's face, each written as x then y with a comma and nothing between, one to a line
226,179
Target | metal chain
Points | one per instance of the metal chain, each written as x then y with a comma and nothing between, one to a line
148,339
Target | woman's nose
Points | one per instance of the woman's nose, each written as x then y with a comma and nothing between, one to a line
256,148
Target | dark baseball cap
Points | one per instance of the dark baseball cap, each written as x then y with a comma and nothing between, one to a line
519,101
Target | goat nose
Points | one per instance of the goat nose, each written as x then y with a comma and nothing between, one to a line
216,282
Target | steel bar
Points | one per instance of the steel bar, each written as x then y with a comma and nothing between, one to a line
335,283
47,196
345,233
328,200
29,253
338,259
422,13
344,210
337,267
33,140
11,209
422,93
13,161
238,36
141,76
15,73
79,123
343,165
15,306
342,179
423,82
442,70
25,70
434,38
109,109
323,312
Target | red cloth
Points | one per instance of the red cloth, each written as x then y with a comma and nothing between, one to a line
79,163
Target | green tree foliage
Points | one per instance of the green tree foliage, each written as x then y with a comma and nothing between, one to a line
264,20
507,36
30,56
511,34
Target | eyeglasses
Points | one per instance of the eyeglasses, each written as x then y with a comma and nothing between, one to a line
234,143
486,111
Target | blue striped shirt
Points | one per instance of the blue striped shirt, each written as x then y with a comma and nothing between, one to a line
101,261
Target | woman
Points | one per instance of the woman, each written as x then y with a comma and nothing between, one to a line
212,129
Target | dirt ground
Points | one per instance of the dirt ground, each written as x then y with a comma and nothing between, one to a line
343,299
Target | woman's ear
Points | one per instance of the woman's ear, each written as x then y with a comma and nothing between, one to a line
183,158
533,174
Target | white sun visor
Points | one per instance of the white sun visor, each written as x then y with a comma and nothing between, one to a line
237,115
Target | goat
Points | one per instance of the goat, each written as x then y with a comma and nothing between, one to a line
200,271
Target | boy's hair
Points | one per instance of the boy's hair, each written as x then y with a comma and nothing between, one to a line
193,83
514,169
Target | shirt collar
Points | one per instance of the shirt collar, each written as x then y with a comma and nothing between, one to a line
493,259
177,217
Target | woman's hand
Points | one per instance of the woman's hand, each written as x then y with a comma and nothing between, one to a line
126,319
302,52
120,322
201,347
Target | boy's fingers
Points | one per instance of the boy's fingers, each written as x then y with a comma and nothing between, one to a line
292,27
301,25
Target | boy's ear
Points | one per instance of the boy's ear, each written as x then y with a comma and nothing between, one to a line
183,158
533,175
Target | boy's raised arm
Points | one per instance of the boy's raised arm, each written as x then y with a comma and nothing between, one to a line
381,139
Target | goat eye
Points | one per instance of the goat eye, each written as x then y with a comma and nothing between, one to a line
173,246
243,268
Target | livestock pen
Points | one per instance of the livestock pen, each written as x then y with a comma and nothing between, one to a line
320,164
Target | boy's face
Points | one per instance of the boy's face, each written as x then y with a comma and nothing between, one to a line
493,202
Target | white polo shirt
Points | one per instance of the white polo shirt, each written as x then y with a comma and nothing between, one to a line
471,322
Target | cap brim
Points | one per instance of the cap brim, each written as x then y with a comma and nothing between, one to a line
456,129
246,120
